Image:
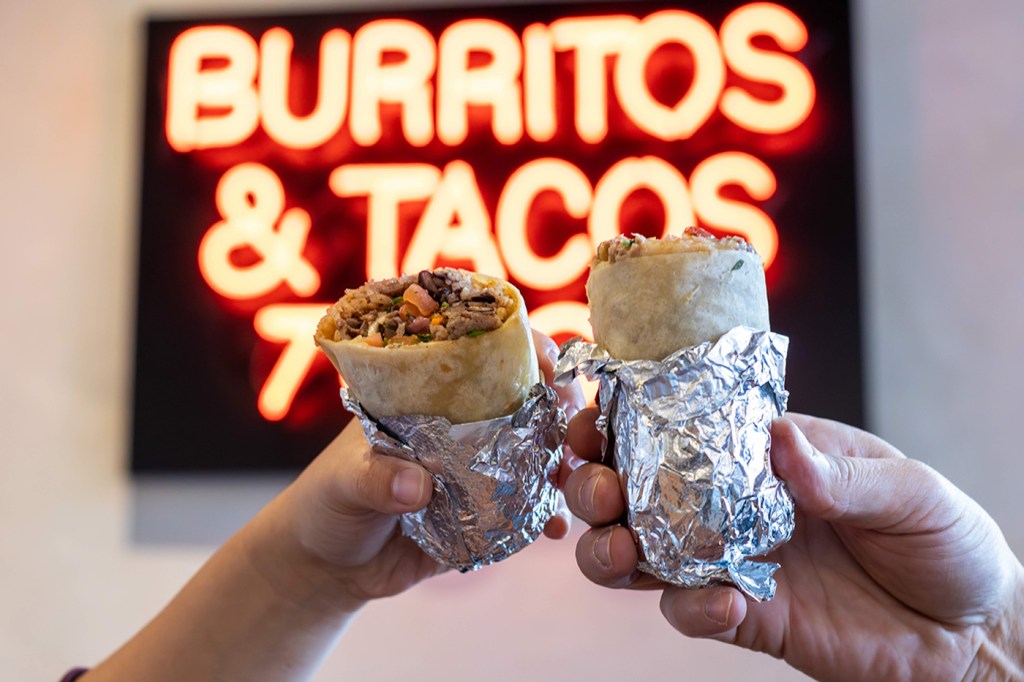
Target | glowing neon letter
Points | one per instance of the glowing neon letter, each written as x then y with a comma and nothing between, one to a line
385,186
406,82
520,192
495,84
288,324
793,108
539,82
629,175
250,199
190,88
594,39
312,130
455,225
681,121
757,179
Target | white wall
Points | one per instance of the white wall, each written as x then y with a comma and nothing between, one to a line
82,560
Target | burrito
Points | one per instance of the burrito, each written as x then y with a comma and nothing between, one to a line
651,297
446,343
691,378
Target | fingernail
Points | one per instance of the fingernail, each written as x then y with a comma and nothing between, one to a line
588,493
407,486
716,608
603,549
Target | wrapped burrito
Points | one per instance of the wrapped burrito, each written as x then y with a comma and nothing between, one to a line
448,343
691,380
441,370
651,297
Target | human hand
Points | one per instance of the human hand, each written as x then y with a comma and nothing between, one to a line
343,514
273,599
892,572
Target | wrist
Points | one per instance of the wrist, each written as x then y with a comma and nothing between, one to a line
1001,654
273,548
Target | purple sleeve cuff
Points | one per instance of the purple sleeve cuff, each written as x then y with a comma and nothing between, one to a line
74,674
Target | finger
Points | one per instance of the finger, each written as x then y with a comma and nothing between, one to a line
844,439
708,612
888,493
569,397
593,494
559,525
376,482
586,441
570,463
608,557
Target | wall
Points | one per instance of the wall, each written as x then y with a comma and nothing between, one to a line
87,555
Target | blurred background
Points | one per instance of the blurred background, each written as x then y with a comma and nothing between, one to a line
87,553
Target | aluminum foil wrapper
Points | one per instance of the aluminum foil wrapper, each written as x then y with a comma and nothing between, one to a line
494,481
691,438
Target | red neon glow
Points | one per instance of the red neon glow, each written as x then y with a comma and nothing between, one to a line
406,82
320,125
594,40
521,190
737,168
455,225
397,62
385,186
681,121
626,177
191,87
793,108
539,82
495,84
250,199
289,324
223,86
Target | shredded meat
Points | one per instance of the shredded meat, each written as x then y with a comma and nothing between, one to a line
381,307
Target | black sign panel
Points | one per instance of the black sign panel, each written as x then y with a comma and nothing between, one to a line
289,157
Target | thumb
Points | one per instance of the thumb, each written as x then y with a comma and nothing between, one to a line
893,494
383,484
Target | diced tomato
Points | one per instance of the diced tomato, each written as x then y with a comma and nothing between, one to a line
420,298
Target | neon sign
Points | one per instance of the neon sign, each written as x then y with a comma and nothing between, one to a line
332,149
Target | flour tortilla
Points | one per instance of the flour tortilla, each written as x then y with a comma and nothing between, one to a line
649,306
469,379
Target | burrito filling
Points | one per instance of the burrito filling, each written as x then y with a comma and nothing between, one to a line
440,305
692,239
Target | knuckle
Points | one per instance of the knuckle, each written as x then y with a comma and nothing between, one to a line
367,481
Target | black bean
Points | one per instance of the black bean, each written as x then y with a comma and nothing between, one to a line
427,281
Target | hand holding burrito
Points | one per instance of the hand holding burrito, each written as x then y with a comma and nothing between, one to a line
690,381
885,551
441,370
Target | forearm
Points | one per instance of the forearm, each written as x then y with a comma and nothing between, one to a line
258,610
1001,655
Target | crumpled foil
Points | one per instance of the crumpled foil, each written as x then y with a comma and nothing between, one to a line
691,437
494,480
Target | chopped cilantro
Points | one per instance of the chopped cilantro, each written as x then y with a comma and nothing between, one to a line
476,332
396,300
444,304
425,337
739,264
629,244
